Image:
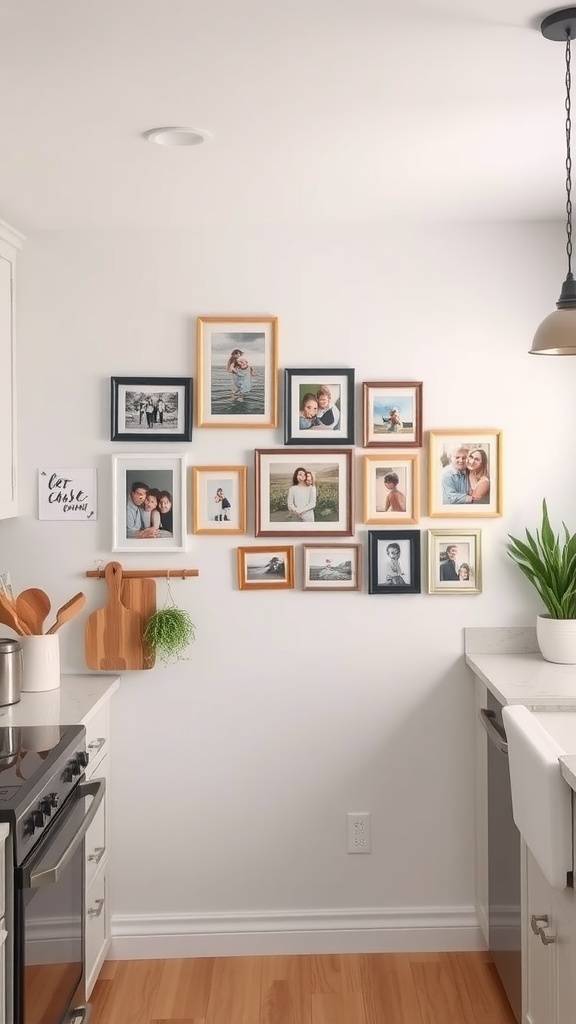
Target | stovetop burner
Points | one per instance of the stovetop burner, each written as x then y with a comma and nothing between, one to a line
39,767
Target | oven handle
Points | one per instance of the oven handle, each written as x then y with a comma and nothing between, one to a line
35,879
495,735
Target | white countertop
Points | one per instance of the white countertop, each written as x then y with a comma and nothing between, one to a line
517,674
76,700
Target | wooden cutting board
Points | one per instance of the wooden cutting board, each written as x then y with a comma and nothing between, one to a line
140,596
113,637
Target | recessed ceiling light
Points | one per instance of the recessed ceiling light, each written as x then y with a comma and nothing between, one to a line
177,136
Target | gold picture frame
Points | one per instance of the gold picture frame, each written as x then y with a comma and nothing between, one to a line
465,473
266,567
237,390
454,561
391,489
219,499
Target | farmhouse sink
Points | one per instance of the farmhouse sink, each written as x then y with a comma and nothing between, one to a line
541,799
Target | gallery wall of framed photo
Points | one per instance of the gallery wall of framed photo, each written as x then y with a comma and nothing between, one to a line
303,488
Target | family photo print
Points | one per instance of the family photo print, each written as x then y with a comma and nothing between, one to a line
151,409
465,473
454,562
237,371
392,414
394,562
219,499
319,406
308,491
149,502
266,568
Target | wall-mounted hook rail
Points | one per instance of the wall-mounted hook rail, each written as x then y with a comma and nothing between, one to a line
139,574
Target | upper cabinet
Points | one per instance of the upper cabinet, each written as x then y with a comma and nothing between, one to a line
10,242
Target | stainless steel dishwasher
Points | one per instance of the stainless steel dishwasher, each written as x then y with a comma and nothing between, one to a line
503,861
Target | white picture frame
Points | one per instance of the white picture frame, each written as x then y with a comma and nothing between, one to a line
161,473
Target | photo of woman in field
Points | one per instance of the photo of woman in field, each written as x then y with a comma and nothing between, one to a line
310,495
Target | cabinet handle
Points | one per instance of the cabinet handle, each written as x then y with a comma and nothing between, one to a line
97,909
99,852
97,745
539,923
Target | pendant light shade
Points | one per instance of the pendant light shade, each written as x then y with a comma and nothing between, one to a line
556,335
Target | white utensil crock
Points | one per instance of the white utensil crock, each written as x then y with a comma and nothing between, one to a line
41,663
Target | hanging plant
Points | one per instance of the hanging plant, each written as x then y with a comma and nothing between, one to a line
169,631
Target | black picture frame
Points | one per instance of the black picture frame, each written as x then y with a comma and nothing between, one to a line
298,382
381,568
130,420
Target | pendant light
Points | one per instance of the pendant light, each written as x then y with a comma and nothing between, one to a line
556,335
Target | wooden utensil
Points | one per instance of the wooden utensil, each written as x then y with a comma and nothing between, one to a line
32,607
9,617
68,611
113,638
140,596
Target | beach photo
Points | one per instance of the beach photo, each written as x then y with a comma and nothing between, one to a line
237,371
319,406
151,409
331,566
392,414
266,568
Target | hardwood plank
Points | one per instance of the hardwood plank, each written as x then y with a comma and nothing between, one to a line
133,992
235,991
98,1000
285,990
181,1020
338,1008
109,968
487,996
389,989
441,993
336,972
184,989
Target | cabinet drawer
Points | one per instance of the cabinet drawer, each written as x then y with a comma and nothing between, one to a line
3,838
97,739
97,835
97,929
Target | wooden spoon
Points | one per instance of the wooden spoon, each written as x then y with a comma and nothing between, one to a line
32,607
9,617
68,611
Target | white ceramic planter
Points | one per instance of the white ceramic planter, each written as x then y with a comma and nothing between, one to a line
557,639
40,663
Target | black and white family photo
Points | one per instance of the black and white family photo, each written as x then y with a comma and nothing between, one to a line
149,409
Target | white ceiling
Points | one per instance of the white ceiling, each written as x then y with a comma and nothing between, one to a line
329,111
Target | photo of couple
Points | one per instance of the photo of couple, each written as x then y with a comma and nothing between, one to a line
465,473
454,564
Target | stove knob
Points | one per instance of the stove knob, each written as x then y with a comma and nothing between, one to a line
45,806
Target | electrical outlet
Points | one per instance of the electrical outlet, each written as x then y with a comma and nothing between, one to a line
358,831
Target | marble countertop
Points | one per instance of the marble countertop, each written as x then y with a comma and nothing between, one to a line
508,662
76,700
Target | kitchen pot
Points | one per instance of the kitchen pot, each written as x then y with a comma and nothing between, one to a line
10,671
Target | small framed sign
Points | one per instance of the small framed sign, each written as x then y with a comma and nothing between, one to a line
67,494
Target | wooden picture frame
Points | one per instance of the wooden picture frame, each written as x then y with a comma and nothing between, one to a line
392,414
454,561
465,473
318,406
237,390
331,566
267,567
134,528
151,409
394,562
219,499
391,489
320,504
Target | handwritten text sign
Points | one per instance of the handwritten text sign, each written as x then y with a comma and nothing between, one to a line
67,494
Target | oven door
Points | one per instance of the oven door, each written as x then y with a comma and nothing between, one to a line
49,950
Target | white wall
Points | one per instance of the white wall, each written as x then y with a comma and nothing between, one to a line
234,770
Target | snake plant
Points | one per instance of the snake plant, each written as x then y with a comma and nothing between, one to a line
549,562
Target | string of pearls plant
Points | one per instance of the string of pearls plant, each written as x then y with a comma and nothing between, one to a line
168,633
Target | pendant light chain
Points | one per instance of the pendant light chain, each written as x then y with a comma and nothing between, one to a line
568,158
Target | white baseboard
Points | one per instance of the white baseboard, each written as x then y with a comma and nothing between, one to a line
379,930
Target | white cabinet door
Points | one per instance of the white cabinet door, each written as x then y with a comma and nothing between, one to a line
541,970
565,928
7,392
481,774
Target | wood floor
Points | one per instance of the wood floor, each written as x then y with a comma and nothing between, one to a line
372,988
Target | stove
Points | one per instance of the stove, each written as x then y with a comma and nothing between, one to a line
48,806
39,768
